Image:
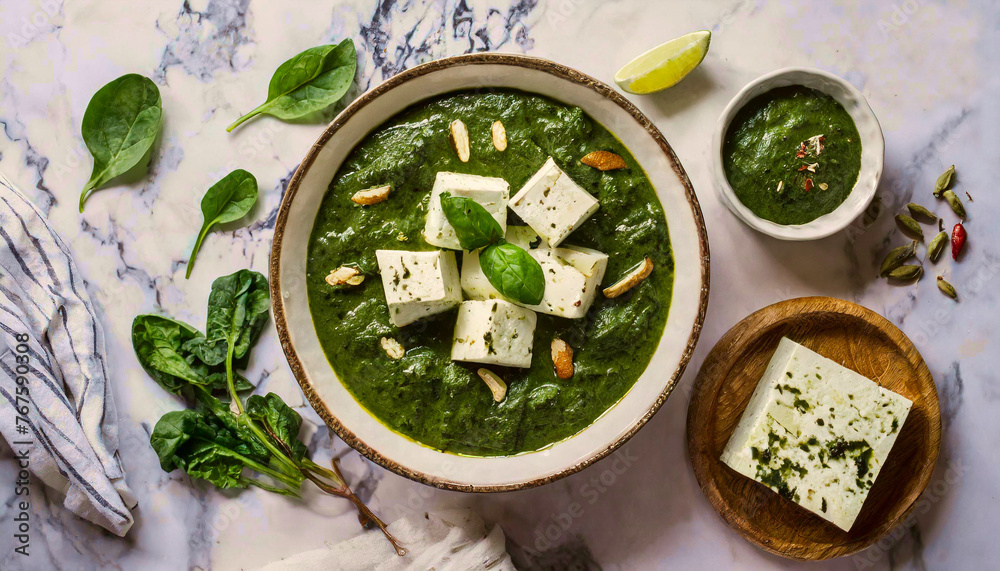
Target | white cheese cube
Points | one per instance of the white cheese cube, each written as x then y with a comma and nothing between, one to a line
491,193
494,332
817,433
573,275
553,204
418,284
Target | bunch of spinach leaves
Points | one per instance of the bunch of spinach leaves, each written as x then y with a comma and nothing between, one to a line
509,268
219,437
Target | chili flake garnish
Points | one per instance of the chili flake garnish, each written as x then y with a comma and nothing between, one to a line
809,184
810,167
801,152
817,143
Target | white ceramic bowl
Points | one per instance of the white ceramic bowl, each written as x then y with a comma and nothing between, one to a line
295,221
872,152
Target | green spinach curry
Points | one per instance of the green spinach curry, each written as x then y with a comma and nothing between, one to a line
427,396
792,155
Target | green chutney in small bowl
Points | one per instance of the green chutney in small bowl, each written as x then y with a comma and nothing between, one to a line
799,154
792,155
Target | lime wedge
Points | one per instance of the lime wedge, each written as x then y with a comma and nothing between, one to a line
664,65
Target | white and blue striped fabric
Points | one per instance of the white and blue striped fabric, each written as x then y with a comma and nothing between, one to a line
56,407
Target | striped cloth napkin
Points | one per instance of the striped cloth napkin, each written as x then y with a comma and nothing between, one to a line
57,413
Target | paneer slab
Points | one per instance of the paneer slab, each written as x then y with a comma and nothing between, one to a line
817,433
573,274
418,284
553,204
494,332
491,193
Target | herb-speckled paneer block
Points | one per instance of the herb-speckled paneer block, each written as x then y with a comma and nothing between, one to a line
494,332
418,284
816,433
553,204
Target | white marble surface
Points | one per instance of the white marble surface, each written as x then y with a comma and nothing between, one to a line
928,68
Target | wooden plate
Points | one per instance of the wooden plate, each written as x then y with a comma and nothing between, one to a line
855,337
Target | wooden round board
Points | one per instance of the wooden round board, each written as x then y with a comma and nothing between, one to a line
855,337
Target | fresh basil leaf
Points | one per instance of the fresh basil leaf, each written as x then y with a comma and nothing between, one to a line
226,201
309,82
281,420
120,125
473,225
513,272
237,312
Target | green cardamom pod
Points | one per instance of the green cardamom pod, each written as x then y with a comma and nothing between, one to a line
910,225
955,202
936,246
919,211
944,181
896,257
906,272
946,288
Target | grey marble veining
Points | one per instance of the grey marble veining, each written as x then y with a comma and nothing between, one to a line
927,67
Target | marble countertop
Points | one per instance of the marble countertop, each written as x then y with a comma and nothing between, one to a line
928,68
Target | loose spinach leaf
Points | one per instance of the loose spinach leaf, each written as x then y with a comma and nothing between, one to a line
474,226
226,201
513,272
160,346
309,82
158,342
237,312
201,445
120,125
281,421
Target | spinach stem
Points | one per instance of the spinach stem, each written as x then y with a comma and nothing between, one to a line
288,466
257,111
270,488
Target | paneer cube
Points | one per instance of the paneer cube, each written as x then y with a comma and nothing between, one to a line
573,274
817,433
491,193
553,204
418,284
494,332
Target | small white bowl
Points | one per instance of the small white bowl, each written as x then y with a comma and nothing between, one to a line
872,152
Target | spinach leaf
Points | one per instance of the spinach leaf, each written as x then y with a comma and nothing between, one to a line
160,346
120,125
226,201
237,312
309,82
513,272
474,226
201,445
280,420
158,342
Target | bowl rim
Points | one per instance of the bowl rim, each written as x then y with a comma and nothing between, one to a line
274,264
829,223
